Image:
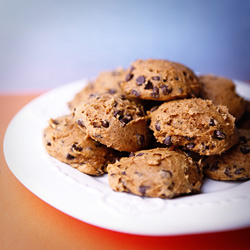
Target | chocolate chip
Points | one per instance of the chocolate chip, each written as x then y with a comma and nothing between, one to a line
227,172
140,113
129,77
123,173
184,73
156,78
211,122
135,93
118,113
55,122
140,80
131,154
112,91
166,173
96,125
70,157
176,78
48,143
245,149
155,93
190,145
80,123
166,89
76,148
153,109
157,126
138,173
126,119
214,167
105,124
167,141
219,135
143,189
239,171
140,154
149,85
123,97
140,139
243,139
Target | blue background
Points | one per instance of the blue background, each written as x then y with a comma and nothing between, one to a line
44,44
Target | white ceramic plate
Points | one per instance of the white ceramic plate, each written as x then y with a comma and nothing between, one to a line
220,206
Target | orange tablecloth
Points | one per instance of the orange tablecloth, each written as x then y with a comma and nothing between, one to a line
26,222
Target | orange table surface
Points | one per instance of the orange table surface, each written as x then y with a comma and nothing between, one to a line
27,222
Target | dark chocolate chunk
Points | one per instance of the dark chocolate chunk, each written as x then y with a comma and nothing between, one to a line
190,145
156,78
167,141
140,154
135,93
118,113
76,148
155,93
129,77
140,80
140,139
239,171
70,157
219,135
211,122
245,149
143,189
166,89
55,122
80,123
227,172
214,167
166,173
126,119
157,126
48,143
105,124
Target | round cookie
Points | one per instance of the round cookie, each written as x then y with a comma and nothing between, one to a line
106,82
156,172
115,121
222,92
66,142
194,124
233,164
160,80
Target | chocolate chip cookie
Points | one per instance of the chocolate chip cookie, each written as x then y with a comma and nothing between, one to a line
160,80
194,124
157,172
233,164
106,82
222,92
115,121
66,142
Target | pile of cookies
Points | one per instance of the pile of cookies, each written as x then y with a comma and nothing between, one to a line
156,128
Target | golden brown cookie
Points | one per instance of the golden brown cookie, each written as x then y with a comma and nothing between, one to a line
106,82
115,121
194,124
156,172
160,80
233,164
222,92
67,143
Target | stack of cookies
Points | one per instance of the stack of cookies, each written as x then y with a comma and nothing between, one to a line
156,128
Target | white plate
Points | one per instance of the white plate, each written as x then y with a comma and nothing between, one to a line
220,206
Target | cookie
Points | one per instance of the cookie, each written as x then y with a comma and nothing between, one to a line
67,143
222,92
244,122
156,172
106,82
233,164
115,121
160,80
194,124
